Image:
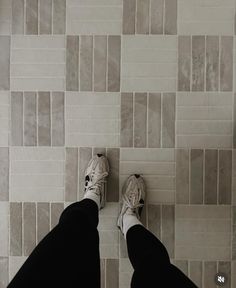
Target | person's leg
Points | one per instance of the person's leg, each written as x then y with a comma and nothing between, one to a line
151,262
68,256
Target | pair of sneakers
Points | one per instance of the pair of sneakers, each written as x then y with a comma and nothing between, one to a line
133,192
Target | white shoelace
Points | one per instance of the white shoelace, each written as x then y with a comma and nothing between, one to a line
96,185
132,201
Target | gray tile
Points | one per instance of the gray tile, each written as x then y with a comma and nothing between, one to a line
195,272
114,53
233,272
212,63
103,272
86,63
225,176
157,15
123,247
72,63
126,133
142,21
113,156
4,272
184,63
234,233
182,176
112,273
45,18
44,119
198,62
154,120
100,62
71,174
29,224
170,26
168,228
16,118
17,16
225,267
30,132
4,174
210,269
211,160
168,120
154,219
5,62
56,210
59,16
129,9
234,123
140,120
226,63
182,265
15,229
196,192
85,154
58,122
31,17
43,220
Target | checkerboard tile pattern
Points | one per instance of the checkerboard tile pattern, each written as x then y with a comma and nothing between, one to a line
148,83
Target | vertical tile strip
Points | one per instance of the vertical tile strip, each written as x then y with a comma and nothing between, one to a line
142,21
154,219
225,267
71,175
198,62
157,16
4,272
196,194
113,155
58,125
56,210
15,229
44,119
4,174
184,63
59,16
211,160
210,270
234,121
212,63
196,272
182,265
100,62
45,18
86,63
168,228
114,52
168,120
112,273
226,63
30,137
126,133
85,154
129,9
225,176
170,26
5,62
182,176
17,16
234,232
103,272
16,118
43,220
140,120
29,224
154,120
72,63
31,17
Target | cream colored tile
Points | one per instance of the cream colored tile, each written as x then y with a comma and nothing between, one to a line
4,118
15,262
4,228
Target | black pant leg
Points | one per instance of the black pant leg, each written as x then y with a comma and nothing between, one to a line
151,262
68,256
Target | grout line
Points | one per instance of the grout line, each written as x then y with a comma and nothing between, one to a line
23,114
24,23
189,188
203,176
50,103
191,63
39,17
93,48
37,118
163,17
218,173
147,117
219,78
161,124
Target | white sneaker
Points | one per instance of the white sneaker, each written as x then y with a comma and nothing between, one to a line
95,179
133,196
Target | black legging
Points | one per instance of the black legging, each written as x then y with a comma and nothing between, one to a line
68,256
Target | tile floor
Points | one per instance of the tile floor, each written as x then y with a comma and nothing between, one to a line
149,83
